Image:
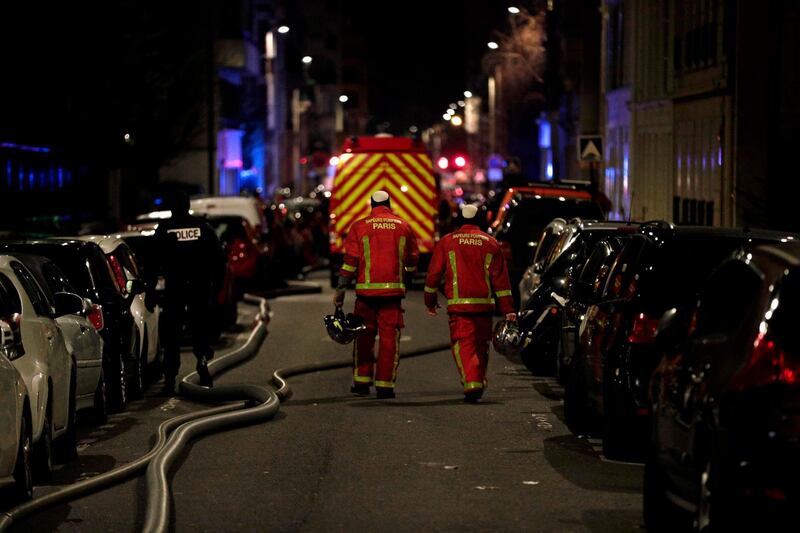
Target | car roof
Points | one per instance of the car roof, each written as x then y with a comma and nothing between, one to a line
108,243
548,191
788,251
665,229
62,242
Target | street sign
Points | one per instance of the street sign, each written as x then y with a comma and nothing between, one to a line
590,148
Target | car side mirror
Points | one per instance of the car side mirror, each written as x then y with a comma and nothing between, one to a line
68,303
10,339
134,287
88,307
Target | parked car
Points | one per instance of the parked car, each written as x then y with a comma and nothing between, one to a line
662,266
225,304
16,439
90,273
532,275
248,207
247,257
725,440
127,274
84,343
523,214
45,366
543,315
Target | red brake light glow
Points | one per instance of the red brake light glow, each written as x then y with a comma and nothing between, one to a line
643,330
119,275
96,317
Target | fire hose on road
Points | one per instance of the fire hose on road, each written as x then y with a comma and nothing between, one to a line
249,404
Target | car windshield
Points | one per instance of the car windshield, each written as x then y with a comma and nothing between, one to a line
680,268
784,320
529,217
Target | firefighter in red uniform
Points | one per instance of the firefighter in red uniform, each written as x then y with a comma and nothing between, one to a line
475,281
379,249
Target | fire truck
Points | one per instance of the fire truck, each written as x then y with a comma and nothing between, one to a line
402,167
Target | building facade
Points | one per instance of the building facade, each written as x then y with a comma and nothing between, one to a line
693,93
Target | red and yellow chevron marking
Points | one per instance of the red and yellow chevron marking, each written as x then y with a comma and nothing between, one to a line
407,177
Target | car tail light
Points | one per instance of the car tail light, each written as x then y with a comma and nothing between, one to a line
505,246
119,275
768,364
643,330
95,316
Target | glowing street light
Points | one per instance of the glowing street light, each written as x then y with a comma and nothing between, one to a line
462,103
514,10
451,112
343,98
492,45
456,121
446,116
467,94
307,60
452,106
283,29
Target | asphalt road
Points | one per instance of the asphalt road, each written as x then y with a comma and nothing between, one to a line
331,461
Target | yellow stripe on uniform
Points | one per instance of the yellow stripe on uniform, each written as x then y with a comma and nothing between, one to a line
452,256
500,294
431,289
486,263
457,357
367,259
401,253
348,268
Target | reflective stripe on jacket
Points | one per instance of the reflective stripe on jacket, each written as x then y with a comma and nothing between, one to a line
378,250
474,272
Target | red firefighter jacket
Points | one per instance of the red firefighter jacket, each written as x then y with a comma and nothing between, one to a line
474,271
378,249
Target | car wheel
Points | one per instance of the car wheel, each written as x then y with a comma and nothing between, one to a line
576,400
43,450
66,446
659,512
100,407
116,385
22,489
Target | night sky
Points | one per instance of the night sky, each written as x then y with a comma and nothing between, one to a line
425,54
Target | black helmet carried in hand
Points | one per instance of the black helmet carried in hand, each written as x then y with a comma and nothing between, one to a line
508,338
343,329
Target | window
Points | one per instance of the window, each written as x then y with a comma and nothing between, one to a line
9,294
56,279
728,300
32,289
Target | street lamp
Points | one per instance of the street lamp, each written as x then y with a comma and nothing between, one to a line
343,98
446,116
283,29
514,10
467,94
492,45
456,120
451,112
307,60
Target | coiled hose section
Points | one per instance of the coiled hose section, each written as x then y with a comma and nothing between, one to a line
250,404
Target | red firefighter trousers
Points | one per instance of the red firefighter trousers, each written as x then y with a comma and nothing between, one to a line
470,335
383,317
